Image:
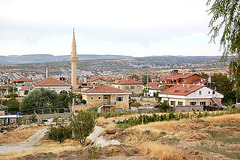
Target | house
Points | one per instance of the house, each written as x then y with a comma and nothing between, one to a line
151,84
191,96
107,98
92,81
181,78
5,88
24,91
22,82
52,84
154,90
129,84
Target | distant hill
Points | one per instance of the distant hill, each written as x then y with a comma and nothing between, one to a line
45,58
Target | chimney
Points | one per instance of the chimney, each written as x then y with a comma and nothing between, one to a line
183,85
94,86
127,79
46,72
188,86
134,79
116,81
85,80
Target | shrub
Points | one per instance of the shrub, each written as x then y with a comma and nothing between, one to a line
82,126
59,133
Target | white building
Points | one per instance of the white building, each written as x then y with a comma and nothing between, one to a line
52,84
191,95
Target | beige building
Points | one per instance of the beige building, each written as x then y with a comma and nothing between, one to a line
93,81
107,98
191,95
128,84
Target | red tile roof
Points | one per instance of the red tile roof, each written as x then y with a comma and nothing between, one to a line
181,89
152,84
50,82
22,80
105,89
24,89
155,88
127,81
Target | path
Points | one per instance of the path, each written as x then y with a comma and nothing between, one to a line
28,144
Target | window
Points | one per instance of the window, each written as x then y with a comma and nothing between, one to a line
119,87
138,87
203,103
208,92
126,87
99,97
119,98
91,97
180,103
172,103
213,92
132,87
200,92
193,103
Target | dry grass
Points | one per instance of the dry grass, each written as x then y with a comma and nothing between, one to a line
45,147
159,151
17,136
102,121
233,118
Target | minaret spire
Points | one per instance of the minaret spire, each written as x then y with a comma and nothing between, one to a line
74,60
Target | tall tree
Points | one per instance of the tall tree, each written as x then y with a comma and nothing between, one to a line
222,83
146,79
226,20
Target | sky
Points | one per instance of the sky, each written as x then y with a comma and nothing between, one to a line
119,27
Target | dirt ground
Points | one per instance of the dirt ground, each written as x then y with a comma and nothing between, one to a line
204,138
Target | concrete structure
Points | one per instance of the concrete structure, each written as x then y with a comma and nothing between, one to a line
107,98
191,95
74,60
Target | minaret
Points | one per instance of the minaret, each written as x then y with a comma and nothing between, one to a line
74,60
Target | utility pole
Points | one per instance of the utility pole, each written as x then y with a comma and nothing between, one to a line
73,110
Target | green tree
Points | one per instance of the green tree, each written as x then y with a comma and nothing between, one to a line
164,106
226,21
222,83
134,76
13,105
82,126
146,79
10,89
65,100
40,99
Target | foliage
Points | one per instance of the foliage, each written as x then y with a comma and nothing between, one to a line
59,133
231,97
83,101
144,119
164,106
222,83
26,92
40,99
12,95
10,89
225,19
134,103
82,126
13,105
134,76
32,118
65,100
146,79
205,75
